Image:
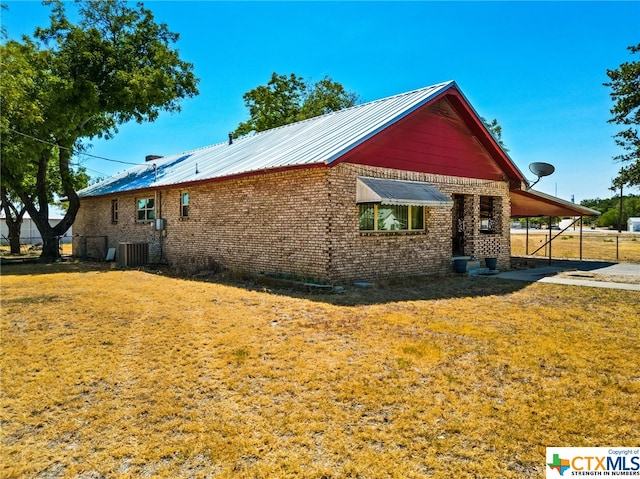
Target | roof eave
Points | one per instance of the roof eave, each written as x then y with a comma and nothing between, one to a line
485,137
214,179
537,203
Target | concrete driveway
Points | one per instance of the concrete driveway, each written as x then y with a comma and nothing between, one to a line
599,274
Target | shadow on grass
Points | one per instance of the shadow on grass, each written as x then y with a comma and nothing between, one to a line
578,264
35,266
426,287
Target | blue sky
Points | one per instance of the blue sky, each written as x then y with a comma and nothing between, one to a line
537,67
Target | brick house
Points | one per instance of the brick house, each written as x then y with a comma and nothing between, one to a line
388,188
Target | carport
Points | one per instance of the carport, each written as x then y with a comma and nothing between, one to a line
533,204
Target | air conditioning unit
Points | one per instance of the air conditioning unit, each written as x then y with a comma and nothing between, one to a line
133,254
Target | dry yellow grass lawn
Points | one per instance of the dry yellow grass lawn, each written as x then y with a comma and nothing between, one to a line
596,246
111,373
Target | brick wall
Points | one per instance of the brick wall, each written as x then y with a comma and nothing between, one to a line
274,223
94,221
265,223
302,222
355,254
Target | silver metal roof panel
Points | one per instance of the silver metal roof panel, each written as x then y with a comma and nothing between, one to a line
399,192
319,140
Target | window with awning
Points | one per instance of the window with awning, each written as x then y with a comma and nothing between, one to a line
395,205
399,192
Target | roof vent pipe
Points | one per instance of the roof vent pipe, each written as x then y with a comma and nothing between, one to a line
152,157
231,138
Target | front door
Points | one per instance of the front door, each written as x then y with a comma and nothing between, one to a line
458,225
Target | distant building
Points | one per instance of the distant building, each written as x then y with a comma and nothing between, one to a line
570,223
633,224
29,233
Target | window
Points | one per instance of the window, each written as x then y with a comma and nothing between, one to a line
367,217
146,209
114,211
488,214
184,205
377,217
392,218
417,217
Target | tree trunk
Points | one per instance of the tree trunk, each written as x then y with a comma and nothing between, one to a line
50,235
40,216
50,248
14,235
50,240
13,218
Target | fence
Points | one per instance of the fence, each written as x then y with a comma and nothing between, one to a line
31,246
605,246
90,247
32,240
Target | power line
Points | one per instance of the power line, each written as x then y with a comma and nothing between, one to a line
104,175
72,150
81,164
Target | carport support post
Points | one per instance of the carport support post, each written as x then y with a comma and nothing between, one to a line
550,239
580,237
526,244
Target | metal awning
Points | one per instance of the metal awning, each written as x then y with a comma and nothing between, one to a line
399,192
533,203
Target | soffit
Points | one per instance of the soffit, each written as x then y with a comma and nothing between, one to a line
535,203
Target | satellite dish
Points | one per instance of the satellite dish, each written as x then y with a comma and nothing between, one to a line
541,170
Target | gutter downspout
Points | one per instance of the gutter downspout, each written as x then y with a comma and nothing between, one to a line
160,231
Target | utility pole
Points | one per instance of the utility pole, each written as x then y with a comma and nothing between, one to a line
620,210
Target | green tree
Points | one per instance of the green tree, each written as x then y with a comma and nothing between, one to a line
287,99
496,130
20,85
72,82
625,92
610,209
326,96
